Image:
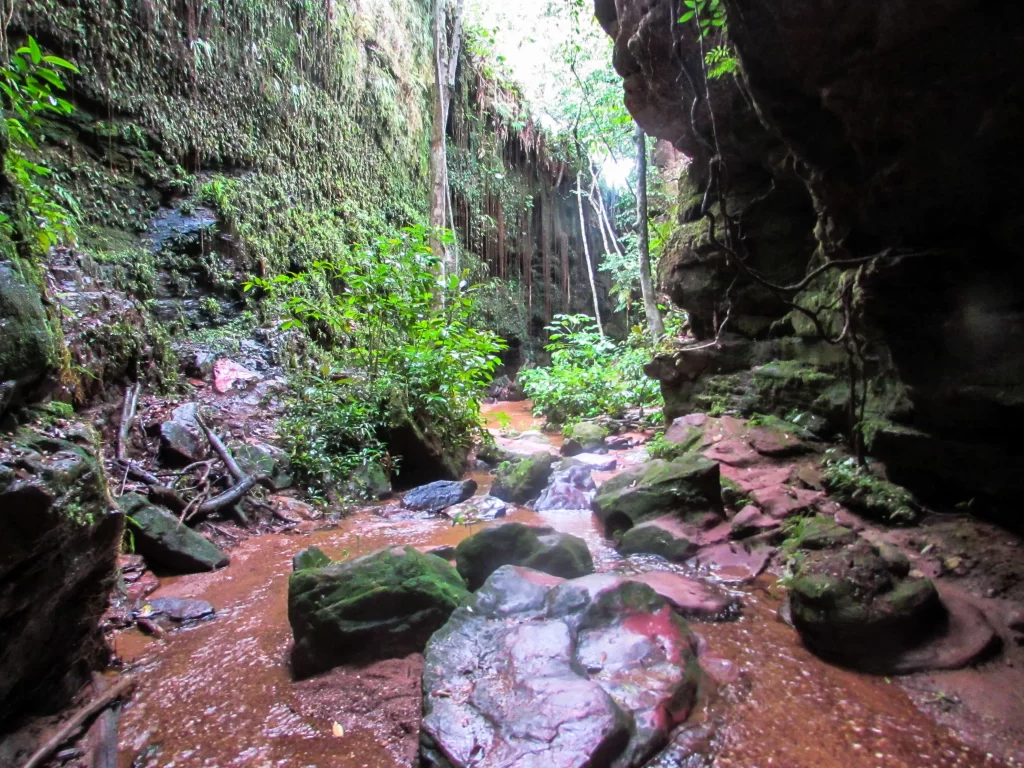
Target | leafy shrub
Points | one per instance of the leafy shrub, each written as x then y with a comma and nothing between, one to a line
589,375
394,345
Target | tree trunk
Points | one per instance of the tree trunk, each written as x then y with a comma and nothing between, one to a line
654,322
446,60
586,252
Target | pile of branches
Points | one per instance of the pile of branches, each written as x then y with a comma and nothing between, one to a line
197,491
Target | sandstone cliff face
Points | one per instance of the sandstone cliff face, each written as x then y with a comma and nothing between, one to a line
858,129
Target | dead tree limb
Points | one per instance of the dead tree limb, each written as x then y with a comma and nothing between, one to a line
69,728
128,408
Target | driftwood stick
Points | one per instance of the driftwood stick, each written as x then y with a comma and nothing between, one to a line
98,704
131,403
229,497
222,450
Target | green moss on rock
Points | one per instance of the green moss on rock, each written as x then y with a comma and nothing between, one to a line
523,480
386,604
529,546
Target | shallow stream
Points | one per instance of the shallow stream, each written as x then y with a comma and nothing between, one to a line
219,694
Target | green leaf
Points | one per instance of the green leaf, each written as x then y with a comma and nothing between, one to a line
57,61
34,51
686,17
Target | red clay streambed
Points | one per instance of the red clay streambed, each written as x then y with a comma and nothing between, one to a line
219,694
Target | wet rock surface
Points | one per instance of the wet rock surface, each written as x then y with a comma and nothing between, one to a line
537,547
584,437
571,488
180,610
385,604
477,509
438,495
181,439
537,671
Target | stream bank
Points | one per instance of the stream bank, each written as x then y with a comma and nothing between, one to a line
219,692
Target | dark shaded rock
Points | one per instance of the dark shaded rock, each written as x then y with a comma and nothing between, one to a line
523,480
422,456
182,441
445,552
584,437
181,610
382,605
28,352
536,547
311,557
597,670
503,388
370,481
162,540
858,606
572,488
668,537
477,509
435,496
58,563
688,484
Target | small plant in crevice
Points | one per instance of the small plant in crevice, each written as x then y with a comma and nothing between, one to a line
855,485
590,375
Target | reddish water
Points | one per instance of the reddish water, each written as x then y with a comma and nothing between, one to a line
219,694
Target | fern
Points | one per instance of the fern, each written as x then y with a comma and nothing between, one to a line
721,61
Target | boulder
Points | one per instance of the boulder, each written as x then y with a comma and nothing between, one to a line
182,441
859,606
691,483
383,605
536,547
523,480
584,437
821,532
571,488
492,454
435,496
536,672
28,352
476,510
58,563
229,375
527,443
370,481
690,597
162,540
733,562
750,521
668,537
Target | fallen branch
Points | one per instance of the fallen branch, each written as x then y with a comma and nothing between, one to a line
222,450
66,731
131,403
229,497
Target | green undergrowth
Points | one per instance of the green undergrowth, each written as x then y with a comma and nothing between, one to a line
590,375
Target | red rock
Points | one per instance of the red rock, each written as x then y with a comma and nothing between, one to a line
785,501
733,562
144,585
750,521
733,452
294,510
689,597
226,373
774,442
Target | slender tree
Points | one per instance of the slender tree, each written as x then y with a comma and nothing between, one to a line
586,252
654,322
445,67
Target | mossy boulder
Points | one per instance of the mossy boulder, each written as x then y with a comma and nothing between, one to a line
820,532
523,480
858,606
870,495
260,459
163,540
58,559
664,537
690,483
28,349
536,547
584,437
385,604
312,557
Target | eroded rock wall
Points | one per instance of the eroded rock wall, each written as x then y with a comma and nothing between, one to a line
851,130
